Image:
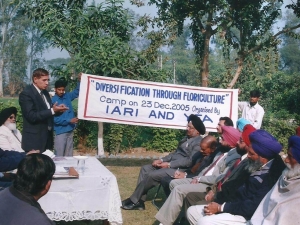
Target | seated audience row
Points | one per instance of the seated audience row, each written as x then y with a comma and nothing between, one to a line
151,175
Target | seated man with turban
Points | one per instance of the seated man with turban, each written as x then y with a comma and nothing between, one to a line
263,153
151,174
207,177
280,205
10,136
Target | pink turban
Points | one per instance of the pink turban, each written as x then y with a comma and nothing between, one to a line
230,135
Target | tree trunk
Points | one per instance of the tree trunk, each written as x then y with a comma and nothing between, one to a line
237,73
205,66
100,139
1,77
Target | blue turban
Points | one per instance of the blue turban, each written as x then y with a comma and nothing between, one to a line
294,144
241,123
264,144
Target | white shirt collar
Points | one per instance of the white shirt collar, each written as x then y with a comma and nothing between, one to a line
38,90
244,157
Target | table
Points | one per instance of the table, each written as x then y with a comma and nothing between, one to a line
94,196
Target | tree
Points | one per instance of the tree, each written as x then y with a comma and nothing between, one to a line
243,25
8,15
16,59
37,45
290,51
179,60
96,37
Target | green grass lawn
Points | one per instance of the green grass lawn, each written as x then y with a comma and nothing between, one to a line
127,171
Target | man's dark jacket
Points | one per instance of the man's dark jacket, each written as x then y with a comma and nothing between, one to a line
36,119
9,160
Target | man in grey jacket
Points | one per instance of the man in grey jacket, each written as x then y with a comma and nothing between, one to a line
151,174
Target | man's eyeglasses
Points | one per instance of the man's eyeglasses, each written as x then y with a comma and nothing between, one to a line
188,127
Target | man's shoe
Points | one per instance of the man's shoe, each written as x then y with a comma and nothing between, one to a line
126,201
138,206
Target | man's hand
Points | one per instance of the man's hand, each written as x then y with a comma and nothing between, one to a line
59,108
164,165
74,120
33,151
209,196
179,174
79,77
195,180
156,163
212,208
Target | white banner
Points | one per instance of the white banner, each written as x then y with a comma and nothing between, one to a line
142,103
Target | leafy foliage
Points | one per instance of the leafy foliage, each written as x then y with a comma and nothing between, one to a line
163,140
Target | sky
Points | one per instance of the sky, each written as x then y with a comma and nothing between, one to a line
151,10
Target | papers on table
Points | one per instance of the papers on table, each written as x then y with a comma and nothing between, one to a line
49,153
65,173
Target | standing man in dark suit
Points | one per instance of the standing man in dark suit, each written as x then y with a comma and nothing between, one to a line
38,112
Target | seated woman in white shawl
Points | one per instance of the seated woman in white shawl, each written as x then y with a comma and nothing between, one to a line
10,136
281,204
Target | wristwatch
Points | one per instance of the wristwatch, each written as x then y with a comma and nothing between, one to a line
169,165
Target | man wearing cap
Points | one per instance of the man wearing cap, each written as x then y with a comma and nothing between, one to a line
65,123
264,154
251,110
10,136
38,112
207,177
151,174
281,204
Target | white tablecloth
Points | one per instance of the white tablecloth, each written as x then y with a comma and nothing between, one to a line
94,196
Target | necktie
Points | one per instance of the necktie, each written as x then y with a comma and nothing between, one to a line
50,123
196,166
43,97
219,184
